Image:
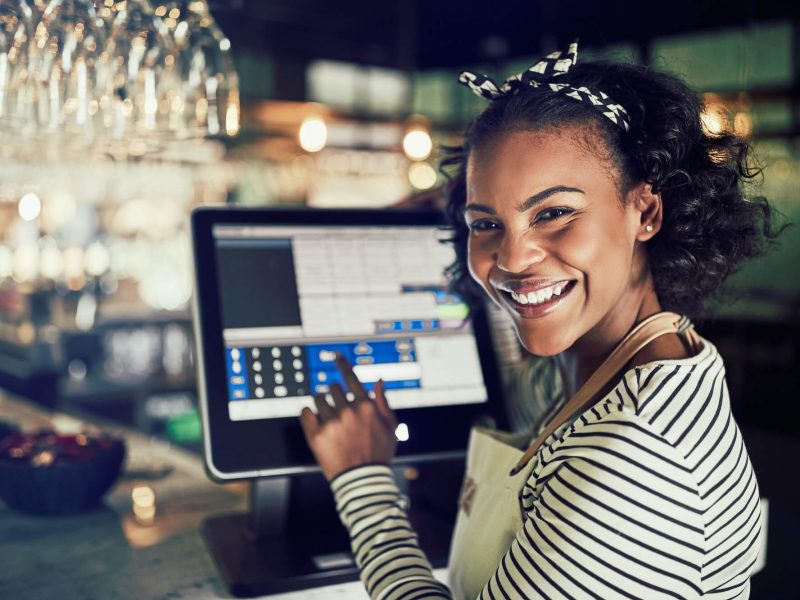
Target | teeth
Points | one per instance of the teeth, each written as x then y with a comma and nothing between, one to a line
541,295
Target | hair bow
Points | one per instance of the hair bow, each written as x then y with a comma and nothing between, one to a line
541,75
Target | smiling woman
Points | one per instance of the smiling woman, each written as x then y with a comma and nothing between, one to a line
561,227
599,226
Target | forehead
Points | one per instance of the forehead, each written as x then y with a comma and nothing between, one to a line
523,163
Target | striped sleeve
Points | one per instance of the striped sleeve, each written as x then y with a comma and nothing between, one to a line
612,512
383,542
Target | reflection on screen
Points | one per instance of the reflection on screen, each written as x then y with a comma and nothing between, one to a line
294,296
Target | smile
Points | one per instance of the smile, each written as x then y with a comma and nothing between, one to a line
540,296
539,302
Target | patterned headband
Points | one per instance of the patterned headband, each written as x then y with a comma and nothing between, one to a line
540,75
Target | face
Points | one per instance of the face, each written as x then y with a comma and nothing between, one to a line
551,240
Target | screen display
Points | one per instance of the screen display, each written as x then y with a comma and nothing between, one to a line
291,297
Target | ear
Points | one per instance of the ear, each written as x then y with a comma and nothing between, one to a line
648,209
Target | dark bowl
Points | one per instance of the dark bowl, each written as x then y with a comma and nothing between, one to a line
51,474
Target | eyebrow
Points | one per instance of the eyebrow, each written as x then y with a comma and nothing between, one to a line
530,202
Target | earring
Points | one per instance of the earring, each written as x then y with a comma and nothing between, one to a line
649,228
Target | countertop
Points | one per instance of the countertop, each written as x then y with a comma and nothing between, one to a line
109,553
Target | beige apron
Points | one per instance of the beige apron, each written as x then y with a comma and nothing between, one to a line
490,512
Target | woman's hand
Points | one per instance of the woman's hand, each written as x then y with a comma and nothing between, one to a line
350,434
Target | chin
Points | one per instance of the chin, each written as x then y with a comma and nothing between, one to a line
542,342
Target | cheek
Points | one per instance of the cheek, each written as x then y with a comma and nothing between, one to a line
598,248
480,259
577,246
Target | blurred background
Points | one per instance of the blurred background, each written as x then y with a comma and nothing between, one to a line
119,116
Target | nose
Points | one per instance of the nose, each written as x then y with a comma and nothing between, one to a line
518,251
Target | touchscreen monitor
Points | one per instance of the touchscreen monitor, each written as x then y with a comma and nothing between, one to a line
286,291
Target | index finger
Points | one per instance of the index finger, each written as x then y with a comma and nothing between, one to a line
309,423
350,378
382,404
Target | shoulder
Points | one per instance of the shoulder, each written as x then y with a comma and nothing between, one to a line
626,455
624,483
616,443
673,396
653,406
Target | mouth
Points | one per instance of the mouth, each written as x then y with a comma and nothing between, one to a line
536,304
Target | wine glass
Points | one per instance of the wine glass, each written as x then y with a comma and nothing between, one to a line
69,40
16,29
141,75
208,101
114,76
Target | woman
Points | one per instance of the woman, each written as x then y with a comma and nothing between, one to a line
589,200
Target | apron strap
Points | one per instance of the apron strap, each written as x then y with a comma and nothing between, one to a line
645,332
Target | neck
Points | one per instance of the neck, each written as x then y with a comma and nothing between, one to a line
578,362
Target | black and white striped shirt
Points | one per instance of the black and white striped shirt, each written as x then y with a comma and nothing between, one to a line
648,494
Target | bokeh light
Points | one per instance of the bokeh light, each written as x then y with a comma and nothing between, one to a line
313,134
30,206
97,259
422,176
417,144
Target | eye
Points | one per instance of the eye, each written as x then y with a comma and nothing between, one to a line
551,214
483,225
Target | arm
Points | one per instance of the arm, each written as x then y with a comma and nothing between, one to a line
353,443
384,544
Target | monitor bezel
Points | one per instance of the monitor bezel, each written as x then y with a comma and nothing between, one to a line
219,433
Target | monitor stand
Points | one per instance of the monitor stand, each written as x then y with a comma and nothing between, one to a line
292,538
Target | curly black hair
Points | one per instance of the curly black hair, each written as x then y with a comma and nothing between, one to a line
709,227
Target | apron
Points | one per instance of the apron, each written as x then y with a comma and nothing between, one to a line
490,510
490,513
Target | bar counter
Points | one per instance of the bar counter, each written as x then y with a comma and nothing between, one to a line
108,553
